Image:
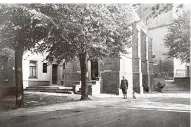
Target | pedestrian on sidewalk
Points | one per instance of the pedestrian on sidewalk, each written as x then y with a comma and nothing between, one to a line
124,87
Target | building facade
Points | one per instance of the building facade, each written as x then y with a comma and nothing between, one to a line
135,66
157,23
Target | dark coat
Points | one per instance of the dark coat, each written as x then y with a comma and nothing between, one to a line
124,84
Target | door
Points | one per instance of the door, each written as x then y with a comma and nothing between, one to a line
94,70
54,73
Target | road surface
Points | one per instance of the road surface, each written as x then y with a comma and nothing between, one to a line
105,112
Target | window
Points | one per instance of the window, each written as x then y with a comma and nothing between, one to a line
64,66
33,69
44,68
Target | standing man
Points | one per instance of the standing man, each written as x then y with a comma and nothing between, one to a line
124,87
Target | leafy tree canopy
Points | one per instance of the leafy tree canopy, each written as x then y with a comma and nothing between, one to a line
20,24
98,30
178,38
21,29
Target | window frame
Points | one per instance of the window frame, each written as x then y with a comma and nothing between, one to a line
43,69
34,68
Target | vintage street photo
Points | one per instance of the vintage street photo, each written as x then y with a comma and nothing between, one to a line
95,64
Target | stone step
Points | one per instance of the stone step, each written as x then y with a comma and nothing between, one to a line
53,89
42,88
78,92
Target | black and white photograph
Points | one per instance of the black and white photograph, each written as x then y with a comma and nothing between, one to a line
88,64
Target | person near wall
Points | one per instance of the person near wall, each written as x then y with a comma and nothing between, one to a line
158,87
124,87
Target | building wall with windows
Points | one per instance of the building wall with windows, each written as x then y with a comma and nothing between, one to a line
36,70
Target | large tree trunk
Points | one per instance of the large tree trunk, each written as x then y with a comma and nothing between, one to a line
84,86
18,75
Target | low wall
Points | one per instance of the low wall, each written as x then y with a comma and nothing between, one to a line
38,83
183,81
7,91
96,88
70,78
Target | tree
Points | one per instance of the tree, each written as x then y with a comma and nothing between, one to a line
164,68
178,38
160,64
167,65
87,31
22,30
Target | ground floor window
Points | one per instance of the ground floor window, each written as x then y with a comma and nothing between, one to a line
44,69
33,69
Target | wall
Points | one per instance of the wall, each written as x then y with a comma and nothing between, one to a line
110,64
109,71
142,58
7,74
126,70
110,82
183,82
42,78
157,29
144,61
7,63
7,91
71,73
159,48
135,61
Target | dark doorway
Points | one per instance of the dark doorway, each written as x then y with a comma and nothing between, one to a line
94,70
54,73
